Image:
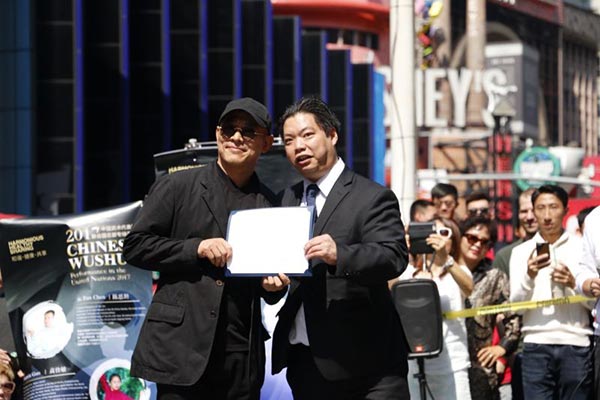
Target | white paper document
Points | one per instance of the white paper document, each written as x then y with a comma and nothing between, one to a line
266,241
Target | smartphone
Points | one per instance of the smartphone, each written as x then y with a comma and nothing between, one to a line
417,233
542,248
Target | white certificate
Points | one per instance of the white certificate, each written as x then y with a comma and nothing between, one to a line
266,241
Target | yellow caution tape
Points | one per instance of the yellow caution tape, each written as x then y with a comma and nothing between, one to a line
521,305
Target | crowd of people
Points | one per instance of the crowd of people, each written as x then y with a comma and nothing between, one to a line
545,352
338,333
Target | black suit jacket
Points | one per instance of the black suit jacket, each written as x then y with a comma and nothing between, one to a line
351,321
176,339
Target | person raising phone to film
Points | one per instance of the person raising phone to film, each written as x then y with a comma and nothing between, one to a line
447,375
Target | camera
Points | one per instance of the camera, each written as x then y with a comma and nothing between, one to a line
418,232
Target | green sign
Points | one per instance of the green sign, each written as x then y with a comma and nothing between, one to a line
536,161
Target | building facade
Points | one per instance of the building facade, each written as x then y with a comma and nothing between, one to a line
89,91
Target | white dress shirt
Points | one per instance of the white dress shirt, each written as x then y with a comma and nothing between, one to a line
590,261
298,334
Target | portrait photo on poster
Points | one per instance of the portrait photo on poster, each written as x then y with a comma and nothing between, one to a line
46,330
111,381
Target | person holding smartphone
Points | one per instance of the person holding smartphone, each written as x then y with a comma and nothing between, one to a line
557,356
447,374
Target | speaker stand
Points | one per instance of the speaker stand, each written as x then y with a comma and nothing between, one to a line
423,386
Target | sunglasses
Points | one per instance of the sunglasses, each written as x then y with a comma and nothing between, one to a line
445,232
447,203
7,387
247,133
472,239
478,211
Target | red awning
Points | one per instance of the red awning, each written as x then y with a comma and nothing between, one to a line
10,216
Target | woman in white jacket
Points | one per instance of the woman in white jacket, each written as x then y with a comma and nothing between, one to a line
447,374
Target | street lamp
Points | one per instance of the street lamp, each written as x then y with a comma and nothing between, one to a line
503,113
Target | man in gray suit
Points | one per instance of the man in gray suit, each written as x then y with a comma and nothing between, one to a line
338,332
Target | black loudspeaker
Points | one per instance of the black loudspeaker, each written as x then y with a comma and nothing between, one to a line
417,302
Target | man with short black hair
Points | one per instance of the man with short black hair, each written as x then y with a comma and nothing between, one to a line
422,210
556,360
203,336
338,332
445,199
479,204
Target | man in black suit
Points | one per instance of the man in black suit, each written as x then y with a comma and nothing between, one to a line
338,332
203,335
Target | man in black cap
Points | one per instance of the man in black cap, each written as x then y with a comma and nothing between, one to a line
203,336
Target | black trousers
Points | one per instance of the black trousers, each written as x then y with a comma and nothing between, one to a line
226,378
307,383
516,382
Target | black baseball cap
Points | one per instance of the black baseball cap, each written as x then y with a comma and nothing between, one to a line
257,110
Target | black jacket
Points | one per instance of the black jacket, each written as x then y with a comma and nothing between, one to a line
176,339
352,325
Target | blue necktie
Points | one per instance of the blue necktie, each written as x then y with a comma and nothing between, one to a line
311,195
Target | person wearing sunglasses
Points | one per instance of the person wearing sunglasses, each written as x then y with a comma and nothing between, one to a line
7,382
445,199
479,204
203,336
491,287
447,374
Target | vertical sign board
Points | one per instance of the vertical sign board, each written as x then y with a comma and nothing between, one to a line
339,93
287,68
58,88
146,94
257,52
503,189
102,96
187,54
378,142
314,63
517,82
362,118
17,152
224,56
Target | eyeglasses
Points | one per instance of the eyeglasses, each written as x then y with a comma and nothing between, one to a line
447,203
478,211
247,133
472,239
8,387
